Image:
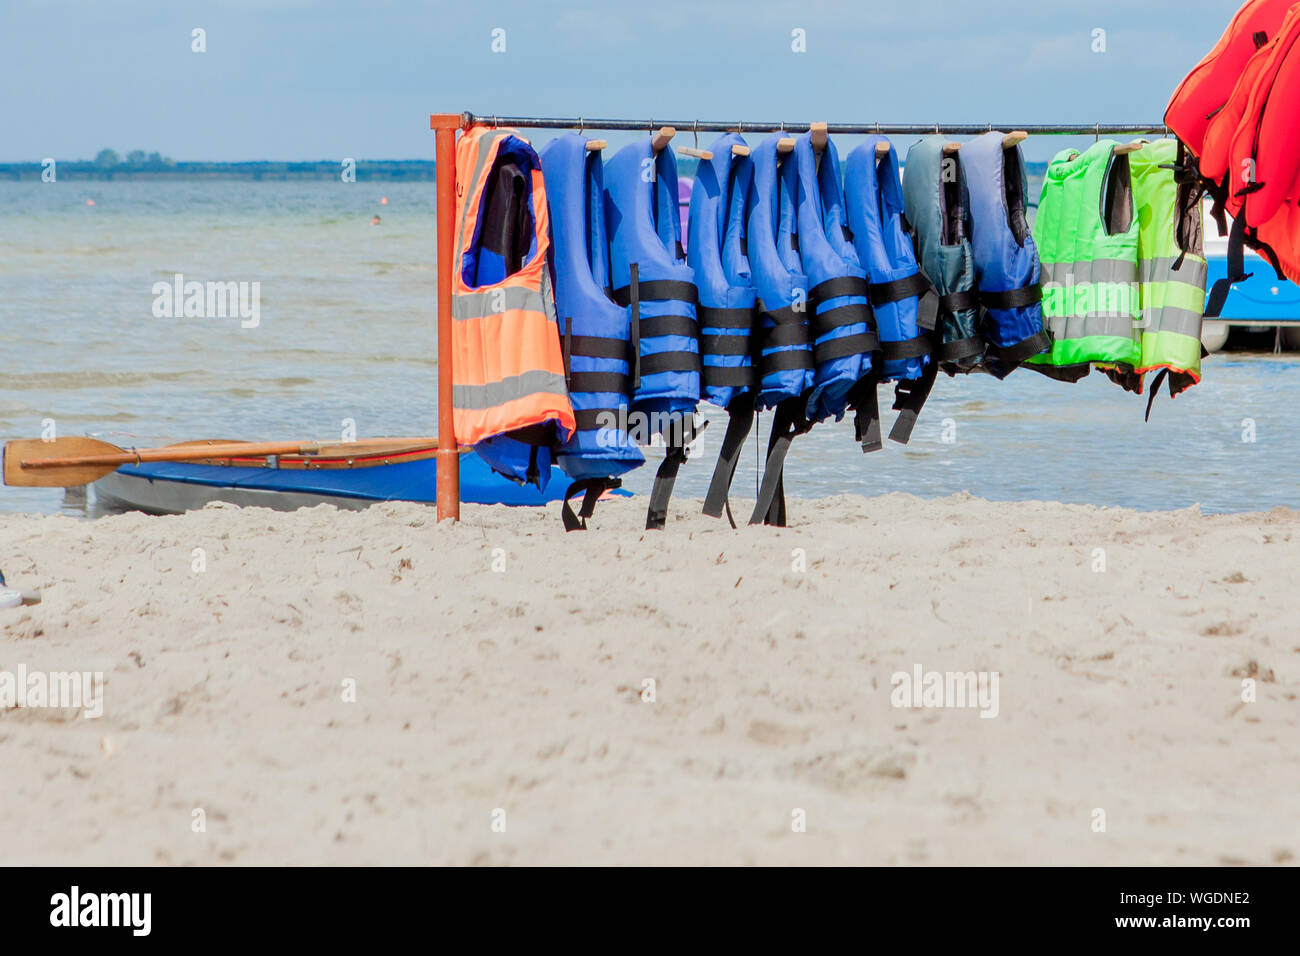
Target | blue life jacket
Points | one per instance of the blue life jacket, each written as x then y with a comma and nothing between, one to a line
784,337
784,343
651,279
593,328
717,253
839,317
717,257
1006,259
880,234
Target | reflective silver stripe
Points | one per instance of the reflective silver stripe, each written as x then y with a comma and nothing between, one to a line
548,300
479,305
480,397
1120,326
1092,270
1170,319
484,148
1193,271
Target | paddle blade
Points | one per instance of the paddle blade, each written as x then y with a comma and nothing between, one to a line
30,449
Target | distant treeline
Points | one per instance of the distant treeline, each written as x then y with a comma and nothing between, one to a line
382,170
138,165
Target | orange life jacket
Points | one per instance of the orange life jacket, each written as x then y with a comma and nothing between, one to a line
508,383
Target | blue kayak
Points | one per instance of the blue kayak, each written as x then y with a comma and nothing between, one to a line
1262,297
176,487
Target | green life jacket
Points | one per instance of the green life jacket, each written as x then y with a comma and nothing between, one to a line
1087,237
1171,270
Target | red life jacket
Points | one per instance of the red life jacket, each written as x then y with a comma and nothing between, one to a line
1207,88
1220,127
1235,112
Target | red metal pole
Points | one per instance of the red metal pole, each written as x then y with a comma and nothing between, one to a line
448,456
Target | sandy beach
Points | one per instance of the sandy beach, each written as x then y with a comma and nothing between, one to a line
501,714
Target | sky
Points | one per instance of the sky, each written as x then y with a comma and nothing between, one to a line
325,79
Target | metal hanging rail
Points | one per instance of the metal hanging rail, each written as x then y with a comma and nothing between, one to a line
738,126
445,126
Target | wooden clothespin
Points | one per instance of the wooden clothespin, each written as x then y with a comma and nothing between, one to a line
662,138
738,150
692,151
785,144
1014,138
817,132
882,150
596,145
951,149
1132,147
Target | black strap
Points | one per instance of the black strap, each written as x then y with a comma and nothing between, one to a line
960,349
1239,238
592,346
1178,381
634,300
657,290
787,422
614,382
908,348
845,345
838,288
588,419
884,293
670,362
866,413
662,489
740,422
591,489
1187,201
1014,298
839,317
909,399
785,335
565,350
727,376
1155,387
533,476
711,318
787,361
955,302
1012,355
1236,271
932,307
786,315
653,326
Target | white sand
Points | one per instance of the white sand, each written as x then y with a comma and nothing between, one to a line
520,689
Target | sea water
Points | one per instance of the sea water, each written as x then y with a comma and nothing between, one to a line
345,342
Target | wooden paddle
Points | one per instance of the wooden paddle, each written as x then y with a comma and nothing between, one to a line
66,462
